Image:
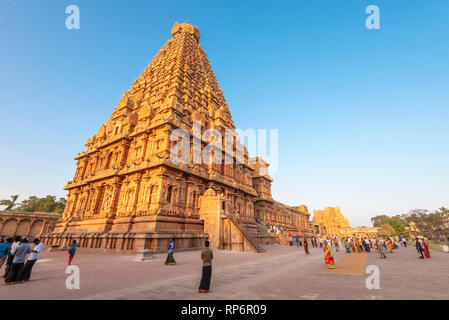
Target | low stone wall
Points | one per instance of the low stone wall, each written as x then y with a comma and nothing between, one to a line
26,224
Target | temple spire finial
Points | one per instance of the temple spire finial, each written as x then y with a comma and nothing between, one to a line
186,27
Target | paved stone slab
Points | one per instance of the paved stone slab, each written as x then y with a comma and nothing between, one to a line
350,263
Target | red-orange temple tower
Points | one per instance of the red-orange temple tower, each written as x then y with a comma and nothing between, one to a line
126,193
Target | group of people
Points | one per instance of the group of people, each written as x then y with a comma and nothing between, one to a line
14,252
381,246
327,248
422,248
206,256
274,229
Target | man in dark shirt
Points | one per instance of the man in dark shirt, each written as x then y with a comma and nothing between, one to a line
207,256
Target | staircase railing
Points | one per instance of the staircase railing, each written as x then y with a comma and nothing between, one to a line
246,233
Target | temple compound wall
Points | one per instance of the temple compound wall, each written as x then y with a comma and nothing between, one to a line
26,224
128,193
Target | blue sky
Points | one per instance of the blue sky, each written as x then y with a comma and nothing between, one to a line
362,114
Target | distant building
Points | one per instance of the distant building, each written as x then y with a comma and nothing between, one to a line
331,222
27,224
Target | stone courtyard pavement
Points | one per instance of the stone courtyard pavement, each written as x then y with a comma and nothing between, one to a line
283,272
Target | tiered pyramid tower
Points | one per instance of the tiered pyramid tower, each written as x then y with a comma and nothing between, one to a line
128,195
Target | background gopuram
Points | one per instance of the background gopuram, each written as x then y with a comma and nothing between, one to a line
331,222
127,194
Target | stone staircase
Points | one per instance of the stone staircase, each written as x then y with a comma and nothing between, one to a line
283,239
252,240
264,236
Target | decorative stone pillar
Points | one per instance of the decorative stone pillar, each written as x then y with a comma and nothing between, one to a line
94,208
29,228
116,193
42,228
2,222
145,144
137,181
18,221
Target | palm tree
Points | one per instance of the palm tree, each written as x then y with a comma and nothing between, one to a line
10,204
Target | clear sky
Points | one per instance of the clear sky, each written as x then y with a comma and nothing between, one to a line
362,114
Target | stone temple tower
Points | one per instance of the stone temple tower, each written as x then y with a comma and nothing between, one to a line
127,194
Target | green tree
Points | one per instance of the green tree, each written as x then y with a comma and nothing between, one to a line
427,222
46,204
9,204
386,230
377,221
397,223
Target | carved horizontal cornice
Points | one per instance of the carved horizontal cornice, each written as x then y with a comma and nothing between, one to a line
29,215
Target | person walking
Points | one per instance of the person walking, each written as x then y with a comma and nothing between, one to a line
426,250
20,254
4,251
358,244
26,272
328,257
352,244
72,251
381,251
171,249
347,246
297,241
207,256
306,246
390,245
419,248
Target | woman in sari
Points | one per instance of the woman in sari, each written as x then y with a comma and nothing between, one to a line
352,245
171,248
390,246
347,246
306,246
72,251
358,244
426,249
328,257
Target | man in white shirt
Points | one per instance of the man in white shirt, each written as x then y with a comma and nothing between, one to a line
26,272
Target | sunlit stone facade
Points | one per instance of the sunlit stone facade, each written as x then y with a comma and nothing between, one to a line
127,194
